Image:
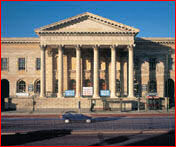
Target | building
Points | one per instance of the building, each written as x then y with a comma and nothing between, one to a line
84,58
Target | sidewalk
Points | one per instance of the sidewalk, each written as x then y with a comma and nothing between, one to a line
170,112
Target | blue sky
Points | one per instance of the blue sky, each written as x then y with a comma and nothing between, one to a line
154,19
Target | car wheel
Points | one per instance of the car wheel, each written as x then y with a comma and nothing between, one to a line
88,121
67,121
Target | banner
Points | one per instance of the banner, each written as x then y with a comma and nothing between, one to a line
87,91
69,93
104,92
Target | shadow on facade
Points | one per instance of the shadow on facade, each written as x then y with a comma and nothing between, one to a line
161,54
19,139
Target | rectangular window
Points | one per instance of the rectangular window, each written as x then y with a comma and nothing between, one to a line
21,64
4,64
37,63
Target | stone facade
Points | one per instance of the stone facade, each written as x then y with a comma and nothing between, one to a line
85,48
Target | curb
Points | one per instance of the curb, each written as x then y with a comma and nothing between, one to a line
87,132
96,132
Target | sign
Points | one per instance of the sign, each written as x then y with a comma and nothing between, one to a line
22,94
69,93
104,92
30,87
87,91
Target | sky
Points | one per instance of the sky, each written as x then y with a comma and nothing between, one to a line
154,19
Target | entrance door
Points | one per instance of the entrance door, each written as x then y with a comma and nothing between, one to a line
170,91
4,92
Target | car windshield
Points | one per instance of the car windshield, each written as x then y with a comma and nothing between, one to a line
70,112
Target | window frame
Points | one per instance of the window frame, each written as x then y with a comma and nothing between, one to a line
38,63
21,87
21,65
4,65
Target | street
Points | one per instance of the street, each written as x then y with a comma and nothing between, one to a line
53,131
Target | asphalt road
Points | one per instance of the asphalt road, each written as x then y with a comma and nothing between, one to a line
18,125
115,131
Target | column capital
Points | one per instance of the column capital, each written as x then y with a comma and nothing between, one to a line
131,46
78,47
96,46
113,46
60,46
43,47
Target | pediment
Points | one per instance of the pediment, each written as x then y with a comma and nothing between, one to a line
86,23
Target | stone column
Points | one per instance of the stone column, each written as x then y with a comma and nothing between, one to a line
43,72
78,71
130,74
60,72
96,73
113,71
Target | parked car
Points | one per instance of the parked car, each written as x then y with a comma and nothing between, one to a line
72,116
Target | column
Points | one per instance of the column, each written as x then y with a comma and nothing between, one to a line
96,73
43,72
60,71
113,71
130,74
78,71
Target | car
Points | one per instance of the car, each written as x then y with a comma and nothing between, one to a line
73,116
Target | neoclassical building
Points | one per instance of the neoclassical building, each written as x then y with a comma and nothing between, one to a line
84,58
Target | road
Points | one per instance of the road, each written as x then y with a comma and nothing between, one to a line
101,123
52,131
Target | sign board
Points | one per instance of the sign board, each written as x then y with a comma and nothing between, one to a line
22,94
30,87
69,93
87,91
104,92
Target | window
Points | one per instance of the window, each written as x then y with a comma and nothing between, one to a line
37,63
21,64
56,86
21,86
117,85
4,64
152,64
37,86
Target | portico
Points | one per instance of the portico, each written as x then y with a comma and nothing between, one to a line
87,31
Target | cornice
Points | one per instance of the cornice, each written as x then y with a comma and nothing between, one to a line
85,33
154,40
20,40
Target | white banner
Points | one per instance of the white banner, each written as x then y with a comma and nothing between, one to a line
22,94
87,91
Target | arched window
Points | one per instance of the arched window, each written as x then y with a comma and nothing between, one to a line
21,86
87,83
102,84
37,86
152,86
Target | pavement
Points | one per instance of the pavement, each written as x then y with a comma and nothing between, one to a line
170,112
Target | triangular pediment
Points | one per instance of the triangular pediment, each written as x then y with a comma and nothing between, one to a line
88,23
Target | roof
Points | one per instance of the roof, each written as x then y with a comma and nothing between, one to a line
86,22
